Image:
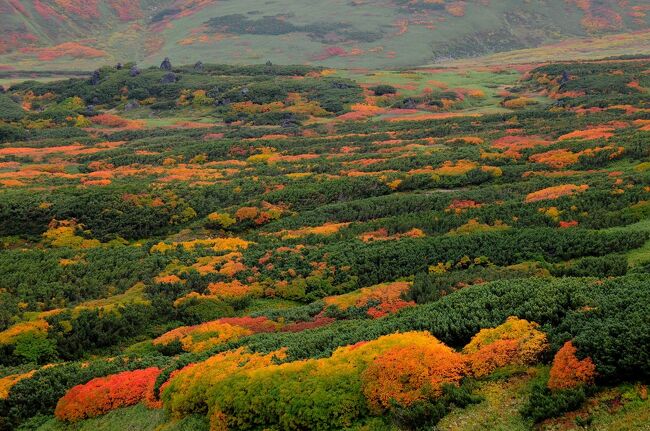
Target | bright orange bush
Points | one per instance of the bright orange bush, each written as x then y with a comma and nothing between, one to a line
103,394
405,374
568,371
233,289
556,158
595,133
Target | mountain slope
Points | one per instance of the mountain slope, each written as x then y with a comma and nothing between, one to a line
343,33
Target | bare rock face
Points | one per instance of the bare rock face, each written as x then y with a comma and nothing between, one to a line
134,71
169,78
133,104
94,79
166,64
198,66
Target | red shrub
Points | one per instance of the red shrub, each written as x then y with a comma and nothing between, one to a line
103,394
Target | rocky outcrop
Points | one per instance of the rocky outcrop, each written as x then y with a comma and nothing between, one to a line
166,64
95,77
133,104
169,78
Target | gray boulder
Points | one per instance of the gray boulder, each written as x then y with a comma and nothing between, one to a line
166,64
169,78
133,104
94,78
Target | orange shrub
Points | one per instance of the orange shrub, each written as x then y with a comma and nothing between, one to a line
450,168
405,374
516,342
595,133
109,120
555,192
199,338
556,158
246,213
103,394
387,296
233,289
568,371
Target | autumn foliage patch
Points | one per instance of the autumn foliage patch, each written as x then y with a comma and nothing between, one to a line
555,192
410,373
104,394
516,342
568,371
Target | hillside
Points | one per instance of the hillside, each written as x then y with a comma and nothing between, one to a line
218,247
83,34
